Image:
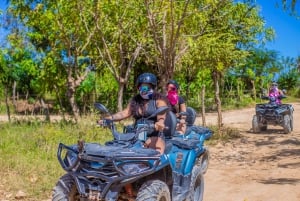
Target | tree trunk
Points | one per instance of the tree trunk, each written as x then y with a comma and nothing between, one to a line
217,98
6,103
72,101
45,110
253,89
120,96
14,95
203,105
60,103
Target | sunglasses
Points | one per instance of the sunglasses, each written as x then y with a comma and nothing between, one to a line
144,88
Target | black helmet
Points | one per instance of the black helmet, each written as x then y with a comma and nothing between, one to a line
146,78
174,83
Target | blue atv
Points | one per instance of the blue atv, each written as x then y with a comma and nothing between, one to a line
101,172
272,113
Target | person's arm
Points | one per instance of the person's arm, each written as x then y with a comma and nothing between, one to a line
182,121
280,92
119,115
122,114
182,108
160,124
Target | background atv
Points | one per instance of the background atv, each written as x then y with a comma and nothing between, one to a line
102,172
273,114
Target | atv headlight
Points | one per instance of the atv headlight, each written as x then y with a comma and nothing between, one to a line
134,167
70,158
67,157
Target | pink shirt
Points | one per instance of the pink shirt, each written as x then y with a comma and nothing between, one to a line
274,92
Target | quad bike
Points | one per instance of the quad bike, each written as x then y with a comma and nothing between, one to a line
102,172
273,114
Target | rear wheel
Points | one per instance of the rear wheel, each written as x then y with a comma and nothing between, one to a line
203,161
292,122
264,127
197,185
255,124
65,190
287,124
154,190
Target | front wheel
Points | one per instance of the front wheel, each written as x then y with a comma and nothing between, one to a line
255,124
154,190
65,190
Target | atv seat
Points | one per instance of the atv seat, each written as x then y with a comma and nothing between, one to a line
191,116
190,119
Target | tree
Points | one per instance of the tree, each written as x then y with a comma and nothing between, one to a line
57,30
258,69
288,78
120,38
5,80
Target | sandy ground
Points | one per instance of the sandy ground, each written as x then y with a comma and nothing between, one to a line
255,167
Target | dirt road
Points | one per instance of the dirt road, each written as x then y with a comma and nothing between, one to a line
256,167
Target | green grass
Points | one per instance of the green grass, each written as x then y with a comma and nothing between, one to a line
28,154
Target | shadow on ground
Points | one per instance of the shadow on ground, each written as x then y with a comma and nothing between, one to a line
280,181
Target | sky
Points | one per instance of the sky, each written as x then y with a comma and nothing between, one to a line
287,28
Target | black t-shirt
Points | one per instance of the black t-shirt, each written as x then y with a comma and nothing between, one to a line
176,108
148,107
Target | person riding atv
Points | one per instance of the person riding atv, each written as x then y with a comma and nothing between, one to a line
142,105
273,112
275,93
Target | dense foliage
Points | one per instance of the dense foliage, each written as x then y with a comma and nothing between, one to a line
75,53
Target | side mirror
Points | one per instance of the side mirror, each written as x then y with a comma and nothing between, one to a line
101,108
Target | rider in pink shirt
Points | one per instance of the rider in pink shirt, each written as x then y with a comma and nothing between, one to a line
275,92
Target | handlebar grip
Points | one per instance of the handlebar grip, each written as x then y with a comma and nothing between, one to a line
105,122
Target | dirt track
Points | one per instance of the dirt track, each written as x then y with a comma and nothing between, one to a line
256,167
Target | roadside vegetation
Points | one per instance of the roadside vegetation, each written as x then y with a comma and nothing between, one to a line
64,56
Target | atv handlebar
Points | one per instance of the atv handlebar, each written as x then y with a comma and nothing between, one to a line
147,126
271,97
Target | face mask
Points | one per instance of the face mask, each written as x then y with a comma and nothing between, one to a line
173,97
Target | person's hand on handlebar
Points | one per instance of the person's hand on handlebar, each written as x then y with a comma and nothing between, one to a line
159,125
104,122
